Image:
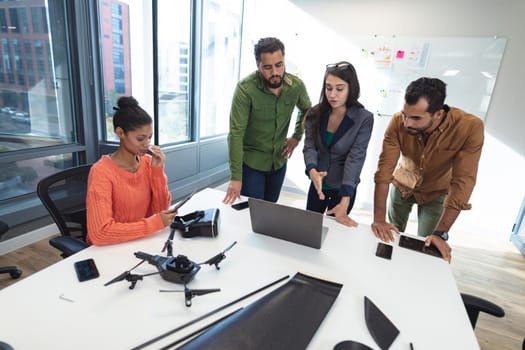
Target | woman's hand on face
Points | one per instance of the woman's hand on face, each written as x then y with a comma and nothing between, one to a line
157,156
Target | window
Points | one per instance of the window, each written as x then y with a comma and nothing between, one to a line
3,21
117,49
173,56
28,56
35,98
116,25
13,16
18,63
39,19
116,9
22,20
220,59
20,177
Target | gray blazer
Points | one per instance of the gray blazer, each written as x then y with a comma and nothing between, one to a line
344,158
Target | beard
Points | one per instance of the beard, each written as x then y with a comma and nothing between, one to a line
275,81
419,131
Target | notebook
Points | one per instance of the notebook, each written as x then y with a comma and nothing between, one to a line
291,224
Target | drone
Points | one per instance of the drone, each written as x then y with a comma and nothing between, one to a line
177,269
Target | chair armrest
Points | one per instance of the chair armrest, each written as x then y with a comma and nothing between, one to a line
482,305
67,245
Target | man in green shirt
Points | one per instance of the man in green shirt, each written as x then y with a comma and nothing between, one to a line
260,115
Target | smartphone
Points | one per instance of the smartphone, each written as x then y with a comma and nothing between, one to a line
86,270
419,246
240,205
384,251
182,202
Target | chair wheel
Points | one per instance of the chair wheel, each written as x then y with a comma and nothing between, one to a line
16,274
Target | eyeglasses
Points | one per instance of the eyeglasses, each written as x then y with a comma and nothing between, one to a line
336,66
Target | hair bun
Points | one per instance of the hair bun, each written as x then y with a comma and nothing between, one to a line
127,101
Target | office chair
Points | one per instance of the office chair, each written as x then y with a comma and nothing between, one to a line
64,196
474,305
13,271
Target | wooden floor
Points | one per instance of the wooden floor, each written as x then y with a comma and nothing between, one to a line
490,272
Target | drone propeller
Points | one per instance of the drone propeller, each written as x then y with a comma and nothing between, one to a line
219,257
119,278
130,277
190,293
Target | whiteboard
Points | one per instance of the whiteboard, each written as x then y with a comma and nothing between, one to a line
468,65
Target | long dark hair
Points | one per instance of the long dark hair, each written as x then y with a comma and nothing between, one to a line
129,115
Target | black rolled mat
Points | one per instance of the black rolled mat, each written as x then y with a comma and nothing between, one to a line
286,318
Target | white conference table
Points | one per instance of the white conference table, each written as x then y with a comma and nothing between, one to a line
417,292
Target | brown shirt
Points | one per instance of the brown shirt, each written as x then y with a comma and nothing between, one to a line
447,163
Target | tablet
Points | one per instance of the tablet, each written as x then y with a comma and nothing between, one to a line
419,246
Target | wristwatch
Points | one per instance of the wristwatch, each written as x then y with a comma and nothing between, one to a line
442,234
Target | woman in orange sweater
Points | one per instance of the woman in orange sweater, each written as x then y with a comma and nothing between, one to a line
128,196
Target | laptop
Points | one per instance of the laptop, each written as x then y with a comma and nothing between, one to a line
291,224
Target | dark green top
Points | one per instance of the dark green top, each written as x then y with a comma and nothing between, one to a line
328,141
329,138
259,122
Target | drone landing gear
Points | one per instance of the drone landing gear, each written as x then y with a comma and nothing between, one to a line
133,279
190,293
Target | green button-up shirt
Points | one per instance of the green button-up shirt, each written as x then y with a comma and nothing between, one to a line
259,122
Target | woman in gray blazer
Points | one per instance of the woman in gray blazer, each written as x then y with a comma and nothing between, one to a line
337,132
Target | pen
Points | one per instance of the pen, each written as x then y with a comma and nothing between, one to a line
61,296
411,346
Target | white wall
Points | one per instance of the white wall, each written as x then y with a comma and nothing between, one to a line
315,33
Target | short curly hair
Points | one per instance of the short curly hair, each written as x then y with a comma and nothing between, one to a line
267,45
431,89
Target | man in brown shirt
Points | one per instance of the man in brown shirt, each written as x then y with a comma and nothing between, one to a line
440,147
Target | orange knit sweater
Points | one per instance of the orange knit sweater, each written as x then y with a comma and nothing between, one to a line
122,206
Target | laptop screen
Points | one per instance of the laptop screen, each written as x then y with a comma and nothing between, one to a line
291,224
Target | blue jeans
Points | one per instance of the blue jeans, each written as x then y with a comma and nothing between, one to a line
331,199
262,184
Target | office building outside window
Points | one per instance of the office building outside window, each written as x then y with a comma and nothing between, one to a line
126,27
174,33
35,94
116,56
220,60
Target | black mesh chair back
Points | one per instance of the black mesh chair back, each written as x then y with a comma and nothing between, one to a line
64,196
